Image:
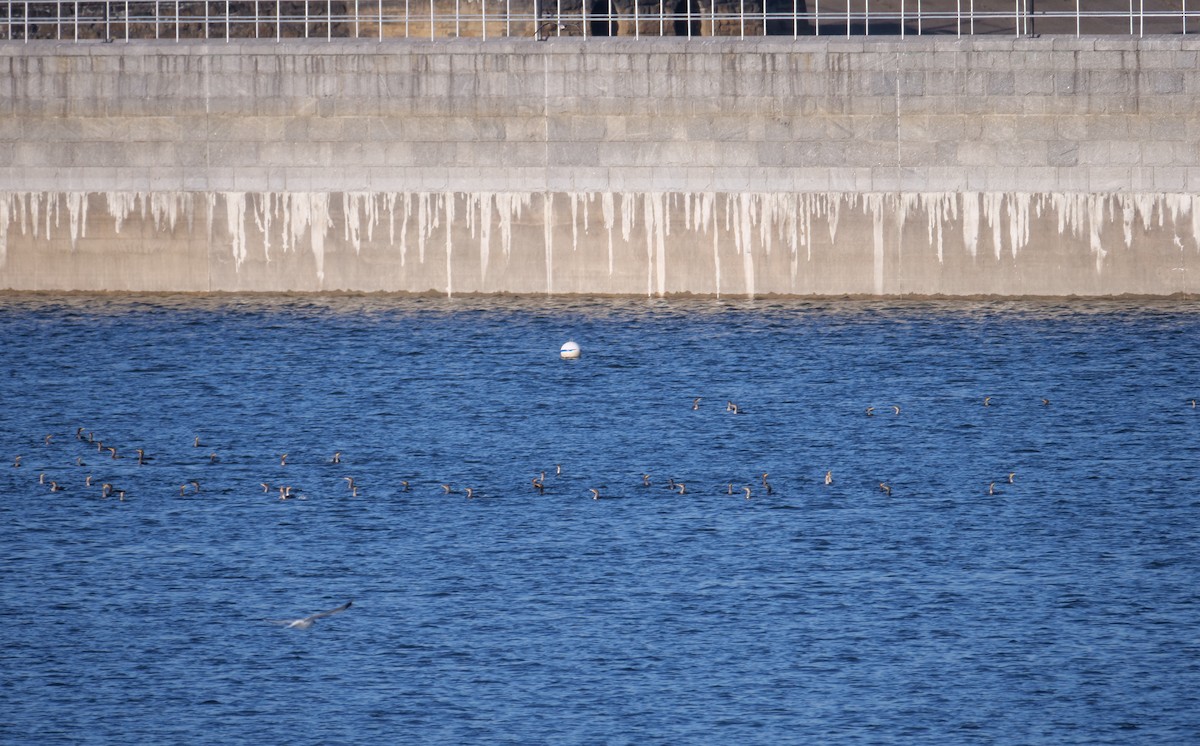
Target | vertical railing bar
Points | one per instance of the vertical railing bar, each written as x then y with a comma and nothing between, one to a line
355,19
742,20
126,21
483,18
662,18
901,19
558,18
278,21
637,24
1183,6
508,18
1141,18
305,19
1131,17
431,16
867,18
918,17
847,19
328,20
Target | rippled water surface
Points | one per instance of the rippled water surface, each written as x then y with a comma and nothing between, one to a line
1062,608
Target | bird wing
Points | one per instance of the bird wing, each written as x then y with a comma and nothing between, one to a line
330,612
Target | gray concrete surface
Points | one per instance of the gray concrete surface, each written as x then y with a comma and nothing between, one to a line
1050,166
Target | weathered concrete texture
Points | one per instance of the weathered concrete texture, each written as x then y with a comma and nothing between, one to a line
1046,166
620,243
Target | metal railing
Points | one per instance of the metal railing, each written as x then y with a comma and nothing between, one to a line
129,20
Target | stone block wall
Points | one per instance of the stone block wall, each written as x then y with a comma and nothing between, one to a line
1013,166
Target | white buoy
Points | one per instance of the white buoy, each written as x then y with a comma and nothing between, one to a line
570,350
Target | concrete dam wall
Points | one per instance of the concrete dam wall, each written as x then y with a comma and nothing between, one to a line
1051,166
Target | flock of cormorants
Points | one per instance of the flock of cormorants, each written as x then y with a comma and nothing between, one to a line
106,489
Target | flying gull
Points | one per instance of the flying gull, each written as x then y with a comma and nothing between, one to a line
306,622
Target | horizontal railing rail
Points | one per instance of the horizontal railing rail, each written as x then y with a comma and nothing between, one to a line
131,20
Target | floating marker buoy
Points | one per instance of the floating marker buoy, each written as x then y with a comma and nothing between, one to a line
570,350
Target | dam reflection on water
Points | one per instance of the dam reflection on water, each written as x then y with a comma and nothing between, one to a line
1061,608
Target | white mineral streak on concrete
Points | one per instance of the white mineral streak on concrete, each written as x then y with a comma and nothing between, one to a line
235,218
609,212
486,202
574,198
873,202
5,219
548,238
77,203
449,206
404,230
264,208
971,223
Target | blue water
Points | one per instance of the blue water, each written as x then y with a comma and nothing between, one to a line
1062,608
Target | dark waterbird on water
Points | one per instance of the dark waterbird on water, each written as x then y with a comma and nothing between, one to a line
306,622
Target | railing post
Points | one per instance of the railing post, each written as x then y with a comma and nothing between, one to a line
278,20
328,20
901,19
